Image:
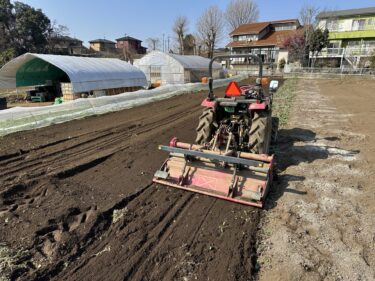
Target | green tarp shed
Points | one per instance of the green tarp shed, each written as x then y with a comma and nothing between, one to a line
85,74
38,72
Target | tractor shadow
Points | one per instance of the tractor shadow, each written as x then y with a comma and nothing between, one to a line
296,146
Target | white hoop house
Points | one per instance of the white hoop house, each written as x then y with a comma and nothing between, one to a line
176,69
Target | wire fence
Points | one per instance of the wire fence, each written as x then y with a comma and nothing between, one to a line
338,70
252,72
289,70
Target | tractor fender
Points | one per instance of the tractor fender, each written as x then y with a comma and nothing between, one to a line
258,106
208,103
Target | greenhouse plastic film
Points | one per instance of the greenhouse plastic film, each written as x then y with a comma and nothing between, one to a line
26,118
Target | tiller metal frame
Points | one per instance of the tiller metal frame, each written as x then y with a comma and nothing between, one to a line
238,177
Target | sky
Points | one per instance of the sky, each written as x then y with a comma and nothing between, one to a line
111,19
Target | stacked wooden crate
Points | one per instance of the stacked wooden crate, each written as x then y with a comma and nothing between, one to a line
117,91
67,91
98,93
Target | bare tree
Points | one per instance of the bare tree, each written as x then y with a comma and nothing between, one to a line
308,15
200,45
153,43
210,28
180,28
56,32
189,44
240,12
59,30
128,54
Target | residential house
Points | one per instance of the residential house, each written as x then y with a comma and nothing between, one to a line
351,36
65,45
262,38
130,45
103,45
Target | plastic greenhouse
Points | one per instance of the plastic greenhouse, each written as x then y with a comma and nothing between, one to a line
176,69
84,74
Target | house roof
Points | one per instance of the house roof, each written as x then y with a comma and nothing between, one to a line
128,38
250,28
257,27
286,21
274,38
102,41
344,13
85,74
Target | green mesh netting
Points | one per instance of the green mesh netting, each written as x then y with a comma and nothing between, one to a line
38,72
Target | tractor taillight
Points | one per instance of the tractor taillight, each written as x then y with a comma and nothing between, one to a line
264,81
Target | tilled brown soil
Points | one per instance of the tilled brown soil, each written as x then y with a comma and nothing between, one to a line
77,203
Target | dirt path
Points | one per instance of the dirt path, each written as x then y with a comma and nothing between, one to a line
76,203
322,225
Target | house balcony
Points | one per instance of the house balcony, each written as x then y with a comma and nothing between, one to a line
348,51
357,34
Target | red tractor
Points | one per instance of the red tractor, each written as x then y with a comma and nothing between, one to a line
229,159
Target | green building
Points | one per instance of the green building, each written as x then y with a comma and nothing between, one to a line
351,36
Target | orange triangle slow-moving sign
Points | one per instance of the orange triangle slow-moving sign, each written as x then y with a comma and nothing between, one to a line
233,89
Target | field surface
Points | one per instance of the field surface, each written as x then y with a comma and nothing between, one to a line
77,203
319,223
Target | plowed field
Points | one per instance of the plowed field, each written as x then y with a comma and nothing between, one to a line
78,204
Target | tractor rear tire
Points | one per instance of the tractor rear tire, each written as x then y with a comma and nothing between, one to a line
205,126
275,129
260,133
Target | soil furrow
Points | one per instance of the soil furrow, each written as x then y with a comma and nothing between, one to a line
101,225
71,194
145,252
92,145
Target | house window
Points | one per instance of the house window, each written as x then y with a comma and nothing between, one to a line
246,38
358,24
333,25
285,27
334,45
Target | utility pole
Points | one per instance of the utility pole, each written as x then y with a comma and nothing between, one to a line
124,51
168,44
163,43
